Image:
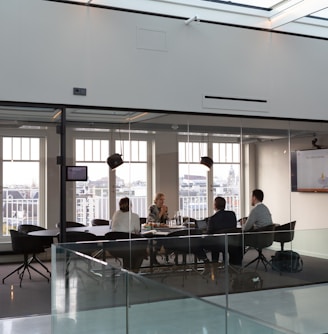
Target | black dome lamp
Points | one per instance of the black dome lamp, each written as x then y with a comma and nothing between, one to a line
207,161
115,160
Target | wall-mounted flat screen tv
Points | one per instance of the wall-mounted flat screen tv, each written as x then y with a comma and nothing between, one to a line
76,173
309,170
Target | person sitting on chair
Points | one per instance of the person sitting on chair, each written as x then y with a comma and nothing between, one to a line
124,220
260,216
158,212
220,221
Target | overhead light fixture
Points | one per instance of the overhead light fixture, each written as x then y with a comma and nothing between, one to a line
115,160
136,116
206,161
57,113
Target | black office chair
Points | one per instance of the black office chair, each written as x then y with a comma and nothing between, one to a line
72,224
131,252
259,239
99,222
182,246
284,233
143,220
45,241
27,228
28,246
183,243
216,244
76,238
82,242
189,222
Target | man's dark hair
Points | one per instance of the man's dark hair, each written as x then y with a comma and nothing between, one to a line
258,194
219,203
124,204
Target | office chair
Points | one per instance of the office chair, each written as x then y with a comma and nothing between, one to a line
27,228
28,246
143,220
260,239
182,246
99,222
45,241
72,224
82,242
183,243
216,244
76,238
284,233
132,253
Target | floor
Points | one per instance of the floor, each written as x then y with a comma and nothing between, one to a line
296,316
300,309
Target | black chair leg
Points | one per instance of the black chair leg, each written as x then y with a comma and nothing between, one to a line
26,266
14,271
37,271
36,259
259,258
264,261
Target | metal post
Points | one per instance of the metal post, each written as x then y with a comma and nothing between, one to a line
63,176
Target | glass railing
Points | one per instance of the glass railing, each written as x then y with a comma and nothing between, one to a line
180,291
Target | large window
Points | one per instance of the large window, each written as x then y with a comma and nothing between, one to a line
92,195
193,195
195,180
21,178
226,174
131,177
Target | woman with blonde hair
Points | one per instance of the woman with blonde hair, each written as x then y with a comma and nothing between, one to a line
158,212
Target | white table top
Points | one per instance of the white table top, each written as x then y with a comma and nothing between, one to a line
96,230
99,231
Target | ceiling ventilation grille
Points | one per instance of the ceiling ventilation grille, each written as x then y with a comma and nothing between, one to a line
235,103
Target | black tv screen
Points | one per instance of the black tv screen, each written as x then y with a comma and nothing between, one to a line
309,170
76,173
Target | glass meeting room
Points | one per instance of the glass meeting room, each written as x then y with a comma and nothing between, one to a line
161,152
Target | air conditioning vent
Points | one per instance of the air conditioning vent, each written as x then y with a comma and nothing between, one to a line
235,103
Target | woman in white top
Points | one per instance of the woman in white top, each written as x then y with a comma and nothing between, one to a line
125,220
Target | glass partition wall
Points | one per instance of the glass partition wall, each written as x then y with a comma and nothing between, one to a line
89,294
161,153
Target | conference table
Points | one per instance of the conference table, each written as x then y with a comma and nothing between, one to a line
101,230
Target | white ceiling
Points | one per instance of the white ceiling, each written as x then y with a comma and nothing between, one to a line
305,17
229,128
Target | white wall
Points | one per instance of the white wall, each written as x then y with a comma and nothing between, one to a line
142,61
273,171
166,171
310,210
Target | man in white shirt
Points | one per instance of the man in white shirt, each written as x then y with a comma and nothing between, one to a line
260,216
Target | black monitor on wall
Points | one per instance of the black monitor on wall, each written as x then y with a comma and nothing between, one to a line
76,173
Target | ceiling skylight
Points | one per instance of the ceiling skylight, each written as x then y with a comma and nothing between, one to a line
305,17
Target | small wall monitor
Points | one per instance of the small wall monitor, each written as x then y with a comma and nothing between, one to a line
76,173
